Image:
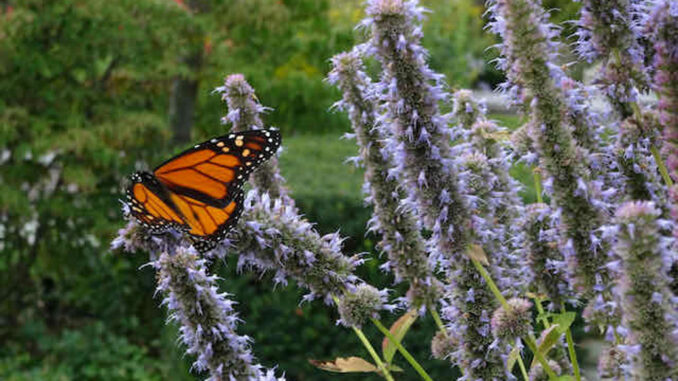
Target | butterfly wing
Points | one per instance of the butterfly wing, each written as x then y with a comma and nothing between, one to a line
149,203
200,190
208,224
213,172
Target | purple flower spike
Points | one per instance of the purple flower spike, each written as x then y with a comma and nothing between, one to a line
530,52
411,93
418,136
644,291
245,114
401,238
357,307
509,325
271,236
207,318
545,260
610,30
664,31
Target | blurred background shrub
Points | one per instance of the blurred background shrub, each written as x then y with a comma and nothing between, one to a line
93,89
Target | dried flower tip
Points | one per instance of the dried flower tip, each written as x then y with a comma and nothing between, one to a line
357,307
514,322
443,345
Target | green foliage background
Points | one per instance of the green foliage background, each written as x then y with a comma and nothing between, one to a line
84,90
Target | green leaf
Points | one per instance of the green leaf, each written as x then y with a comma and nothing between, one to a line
549,338
566,377
398,329
512,358
564,320
394,368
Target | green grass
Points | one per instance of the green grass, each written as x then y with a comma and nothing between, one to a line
511,121
315,168
316,163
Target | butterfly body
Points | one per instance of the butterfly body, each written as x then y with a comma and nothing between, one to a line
199,191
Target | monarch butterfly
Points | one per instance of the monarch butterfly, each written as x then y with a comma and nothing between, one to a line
199,190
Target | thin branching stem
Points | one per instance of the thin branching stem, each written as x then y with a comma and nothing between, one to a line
402,350
660,164
570,349
529,340
537,184
369,347
373,353
523,371
436,318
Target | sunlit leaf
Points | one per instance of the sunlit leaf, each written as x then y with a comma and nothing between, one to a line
398,329
564,320
345,365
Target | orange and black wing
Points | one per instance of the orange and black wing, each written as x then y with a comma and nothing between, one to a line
158,209
200,190
213,172
208,224
149,203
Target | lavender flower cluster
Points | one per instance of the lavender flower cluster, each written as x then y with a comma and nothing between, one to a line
401,236
207,318
244,114
450,217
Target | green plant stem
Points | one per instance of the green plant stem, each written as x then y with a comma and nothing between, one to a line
531,342
369,347
570,349
373,353
436,318
490,283
660,164
402,350
540,309
537,184
523,371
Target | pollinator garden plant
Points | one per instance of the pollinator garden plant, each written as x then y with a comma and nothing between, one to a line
503,280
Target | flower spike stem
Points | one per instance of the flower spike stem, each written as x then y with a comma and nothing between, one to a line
402,350
653,148
373,353
369,347
437,319
491,284
661,166
540,309
523,371
531,342
570,348
537,184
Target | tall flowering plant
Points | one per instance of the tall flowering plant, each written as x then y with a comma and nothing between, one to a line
497,275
